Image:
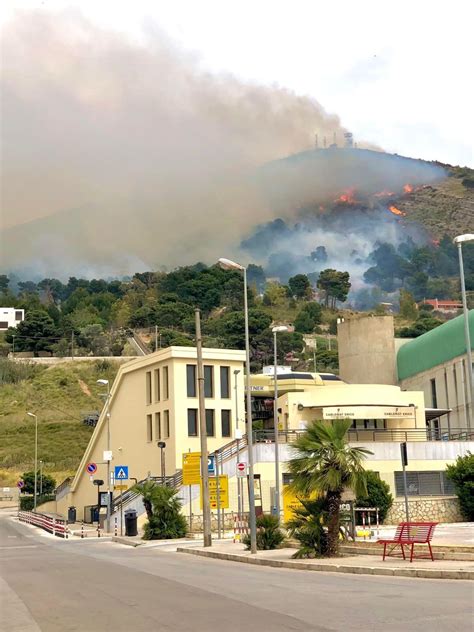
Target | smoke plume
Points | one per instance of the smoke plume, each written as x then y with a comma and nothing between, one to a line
120,156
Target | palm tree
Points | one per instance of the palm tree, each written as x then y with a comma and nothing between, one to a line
325,463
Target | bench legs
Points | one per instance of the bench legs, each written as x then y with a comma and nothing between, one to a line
392,549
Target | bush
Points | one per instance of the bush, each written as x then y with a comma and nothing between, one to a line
462,475
28,502
12,372
269,534
307,526
163,510
48,485
378,495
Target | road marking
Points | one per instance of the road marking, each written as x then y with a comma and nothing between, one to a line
21,546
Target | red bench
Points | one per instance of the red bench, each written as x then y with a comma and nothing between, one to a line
409,534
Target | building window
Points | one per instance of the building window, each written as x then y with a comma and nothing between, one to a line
157,385
3,324
148,387
209,422
192,422
369,424
208,381
424,484
434,399
191,380
149,428
158,426
166,384
18,315
166,424
225,386
225,423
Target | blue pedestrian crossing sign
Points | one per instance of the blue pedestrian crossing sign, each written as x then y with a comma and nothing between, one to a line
211,465
121,473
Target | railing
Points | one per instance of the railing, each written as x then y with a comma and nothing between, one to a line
173,481
51,524
63,488
376,434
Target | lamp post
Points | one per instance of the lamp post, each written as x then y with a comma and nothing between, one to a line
238,436
162,446
41,478
107,413
227,264
276,330
36,458
459,240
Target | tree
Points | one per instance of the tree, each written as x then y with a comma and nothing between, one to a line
299,286
275,294
462,475
162,506
326,464
408,308
308,317
4,283
378,495
336,286
48,486
424,323
308,527
256,276
36,333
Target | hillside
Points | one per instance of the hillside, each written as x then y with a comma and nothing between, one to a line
60,396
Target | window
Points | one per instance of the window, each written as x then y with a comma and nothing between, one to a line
166,385
209,422
158,426
208,381
225,386
225,423
434,399
157,385
191,380
166,424
192,422
424,484
368,424
18,315
3,324
149,428
148,387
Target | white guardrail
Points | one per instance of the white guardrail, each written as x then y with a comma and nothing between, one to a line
56,526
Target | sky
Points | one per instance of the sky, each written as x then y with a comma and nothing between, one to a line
397,74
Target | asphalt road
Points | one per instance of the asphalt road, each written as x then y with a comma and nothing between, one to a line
91,586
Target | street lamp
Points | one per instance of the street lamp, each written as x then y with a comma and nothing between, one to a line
162,446
459,240
227,264
276,330
41,477
36,458
107,413
238,436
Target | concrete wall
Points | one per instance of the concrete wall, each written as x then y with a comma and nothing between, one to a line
430,509
367,350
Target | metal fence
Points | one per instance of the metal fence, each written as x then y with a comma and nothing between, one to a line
51,524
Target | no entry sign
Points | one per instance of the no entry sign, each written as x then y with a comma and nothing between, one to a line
241,469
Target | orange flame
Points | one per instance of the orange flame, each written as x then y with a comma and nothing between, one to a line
347,197
408,188
396,211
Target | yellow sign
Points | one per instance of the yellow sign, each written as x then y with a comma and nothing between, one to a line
223,492
120,488
191,468
290,503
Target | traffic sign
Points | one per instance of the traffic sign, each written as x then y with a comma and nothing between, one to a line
211,465
120,488
223,492
241,470
191,468
20,484
91,468
121,473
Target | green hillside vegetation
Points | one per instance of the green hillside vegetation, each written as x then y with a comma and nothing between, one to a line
60,396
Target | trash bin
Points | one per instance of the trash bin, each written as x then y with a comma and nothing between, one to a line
95,514
131,522
71,514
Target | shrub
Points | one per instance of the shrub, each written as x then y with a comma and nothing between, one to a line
28,502
162,506
269,534
307,526
378,495
48,482
462,475
12,372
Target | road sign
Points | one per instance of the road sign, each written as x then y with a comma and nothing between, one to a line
120,488
223,492
211,465
191,468
121,472
20,484
241,470
91,468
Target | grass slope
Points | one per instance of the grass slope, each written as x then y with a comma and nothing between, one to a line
60,396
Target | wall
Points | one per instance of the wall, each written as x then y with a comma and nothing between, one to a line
430,509
367,350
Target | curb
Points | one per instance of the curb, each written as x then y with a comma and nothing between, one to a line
329,568
126,541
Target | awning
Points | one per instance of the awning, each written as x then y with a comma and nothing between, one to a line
434,413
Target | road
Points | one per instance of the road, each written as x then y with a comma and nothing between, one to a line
95,586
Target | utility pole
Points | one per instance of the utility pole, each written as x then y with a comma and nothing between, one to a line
206,505
156,337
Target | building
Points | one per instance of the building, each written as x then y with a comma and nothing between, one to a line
10,317
444,306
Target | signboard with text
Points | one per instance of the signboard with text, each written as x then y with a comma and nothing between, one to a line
368,412
191,468
223,492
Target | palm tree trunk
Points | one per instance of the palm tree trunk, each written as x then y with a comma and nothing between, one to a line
334,501
148,508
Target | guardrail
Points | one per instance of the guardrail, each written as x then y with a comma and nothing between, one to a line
51,524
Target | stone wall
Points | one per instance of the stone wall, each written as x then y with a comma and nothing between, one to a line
430,509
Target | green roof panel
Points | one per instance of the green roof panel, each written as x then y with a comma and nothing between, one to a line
435,347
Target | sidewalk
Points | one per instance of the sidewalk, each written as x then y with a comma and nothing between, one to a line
360,564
